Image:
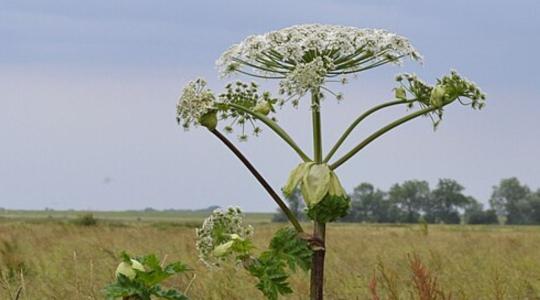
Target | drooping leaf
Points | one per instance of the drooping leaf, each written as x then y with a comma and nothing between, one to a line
315,183
335,188
295,177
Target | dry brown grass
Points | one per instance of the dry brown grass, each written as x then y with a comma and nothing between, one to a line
65,261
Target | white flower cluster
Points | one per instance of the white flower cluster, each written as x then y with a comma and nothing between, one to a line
196,101
303,55
217,232
306,76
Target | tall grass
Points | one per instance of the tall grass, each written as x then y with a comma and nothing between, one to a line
66,261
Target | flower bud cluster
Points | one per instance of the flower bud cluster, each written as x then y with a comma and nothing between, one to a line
247,96
449,88
220,234
457,86
195,104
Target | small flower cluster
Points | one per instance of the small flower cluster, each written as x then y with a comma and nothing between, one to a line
303,56
247,96
305,77
195,102
447,89
219,233
456,86
420,90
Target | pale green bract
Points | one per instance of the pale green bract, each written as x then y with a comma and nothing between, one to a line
295,177
437,95
128,269
315,181
222,249
335,188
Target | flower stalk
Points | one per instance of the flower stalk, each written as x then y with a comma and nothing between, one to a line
380,132
260,179
357,121
319,228
274,127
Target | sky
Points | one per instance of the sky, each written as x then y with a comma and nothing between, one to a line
88,91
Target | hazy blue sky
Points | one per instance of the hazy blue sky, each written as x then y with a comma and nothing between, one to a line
88,92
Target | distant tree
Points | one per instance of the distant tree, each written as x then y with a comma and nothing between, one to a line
445,202
511,199
295,202
370,205
475,213
483,217
410,197
534,204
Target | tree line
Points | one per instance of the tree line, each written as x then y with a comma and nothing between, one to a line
413,201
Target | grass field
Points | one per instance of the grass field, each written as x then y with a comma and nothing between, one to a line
61,260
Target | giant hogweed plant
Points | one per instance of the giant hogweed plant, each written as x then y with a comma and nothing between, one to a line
305,60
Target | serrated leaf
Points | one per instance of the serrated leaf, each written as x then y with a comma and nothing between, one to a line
330,209
175,268
170,294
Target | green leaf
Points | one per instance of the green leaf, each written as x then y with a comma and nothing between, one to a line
176,268
315,183
169,294
295,177
330,209
272,276
289,247
286,250
125,257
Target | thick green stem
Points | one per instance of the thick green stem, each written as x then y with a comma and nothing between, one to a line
319,229
292,218
380,132
275,127
316,119
357,121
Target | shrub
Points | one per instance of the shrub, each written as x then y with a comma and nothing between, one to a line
86,220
